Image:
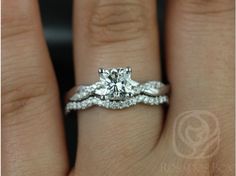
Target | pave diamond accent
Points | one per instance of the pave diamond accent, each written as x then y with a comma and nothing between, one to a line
83,92
109,104
152,88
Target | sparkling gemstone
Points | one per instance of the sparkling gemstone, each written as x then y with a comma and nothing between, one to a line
146,100
151,101
94,101
140,98
116,83
100,103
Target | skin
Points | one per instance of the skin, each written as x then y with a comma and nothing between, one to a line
139,141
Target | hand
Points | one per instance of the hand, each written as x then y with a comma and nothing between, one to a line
194,137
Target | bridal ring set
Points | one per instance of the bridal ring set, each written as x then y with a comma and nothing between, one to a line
116,90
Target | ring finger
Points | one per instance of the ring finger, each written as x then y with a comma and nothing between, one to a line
113,33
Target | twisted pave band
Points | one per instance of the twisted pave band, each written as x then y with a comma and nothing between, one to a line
91,101
151,88
116,90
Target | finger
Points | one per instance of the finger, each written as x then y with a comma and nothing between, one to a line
33,136
199,42
116,34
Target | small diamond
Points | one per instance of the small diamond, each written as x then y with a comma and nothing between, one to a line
129,102
75,97
124,104
162,99
100,103
73,105
146,100
151,101
111,104
78,105
89,103
106,104
134,101
140,98
157,102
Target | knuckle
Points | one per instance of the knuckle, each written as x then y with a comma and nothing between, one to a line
202,17
117,22
207,7
17,18
16,96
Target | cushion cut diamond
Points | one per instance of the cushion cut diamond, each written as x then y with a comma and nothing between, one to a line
116,83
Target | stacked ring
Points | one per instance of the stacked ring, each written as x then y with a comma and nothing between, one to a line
116,90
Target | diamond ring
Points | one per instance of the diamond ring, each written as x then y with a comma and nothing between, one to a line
116,90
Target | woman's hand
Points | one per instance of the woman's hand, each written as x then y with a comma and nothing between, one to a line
194,137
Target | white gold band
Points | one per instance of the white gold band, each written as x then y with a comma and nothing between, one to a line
94,101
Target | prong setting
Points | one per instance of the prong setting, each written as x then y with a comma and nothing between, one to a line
102,97
128,70
100,70
129,95
117,83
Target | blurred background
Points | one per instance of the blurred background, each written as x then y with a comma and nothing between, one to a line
57,23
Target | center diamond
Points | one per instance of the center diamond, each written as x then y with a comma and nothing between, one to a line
116,83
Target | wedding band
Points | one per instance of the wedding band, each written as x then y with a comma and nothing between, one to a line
116,90
94,101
